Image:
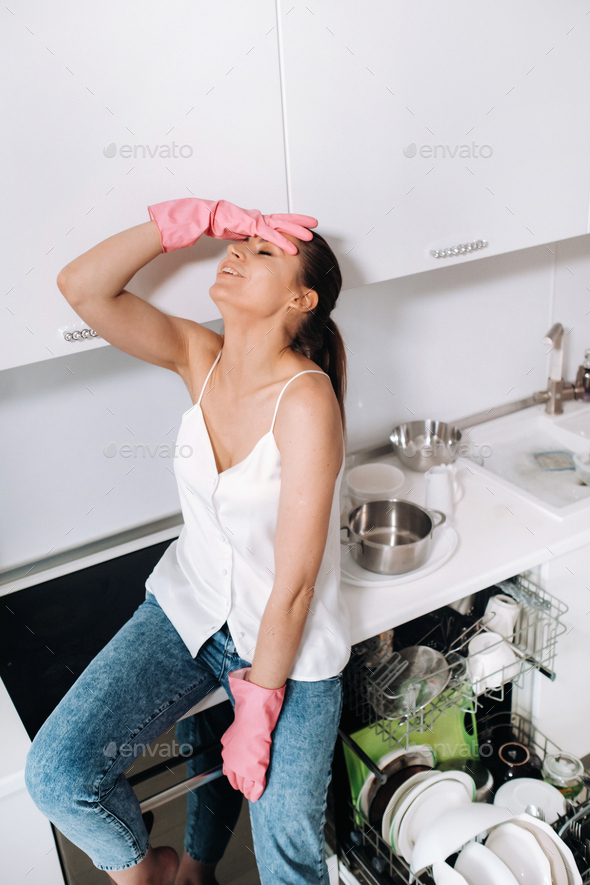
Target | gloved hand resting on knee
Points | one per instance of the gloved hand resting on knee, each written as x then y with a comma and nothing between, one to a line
247,742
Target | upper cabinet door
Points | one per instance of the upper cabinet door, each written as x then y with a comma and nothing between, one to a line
115,106
416,127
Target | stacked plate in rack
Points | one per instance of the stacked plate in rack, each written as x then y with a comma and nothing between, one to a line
426,815
518,849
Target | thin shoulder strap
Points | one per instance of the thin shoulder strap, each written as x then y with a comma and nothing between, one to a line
208,376
314,371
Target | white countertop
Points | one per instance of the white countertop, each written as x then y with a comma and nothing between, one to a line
500,535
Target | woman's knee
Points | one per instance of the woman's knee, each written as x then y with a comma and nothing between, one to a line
54,770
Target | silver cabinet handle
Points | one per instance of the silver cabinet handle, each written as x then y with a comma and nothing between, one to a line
461,249
78,335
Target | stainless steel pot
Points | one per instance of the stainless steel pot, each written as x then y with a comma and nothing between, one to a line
391,537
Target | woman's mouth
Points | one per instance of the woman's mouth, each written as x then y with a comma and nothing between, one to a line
228,270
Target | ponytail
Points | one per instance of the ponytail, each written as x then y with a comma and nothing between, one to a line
318,337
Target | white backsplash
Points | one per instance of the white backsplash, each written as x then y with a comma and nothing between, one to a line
442,344
447,343
572,300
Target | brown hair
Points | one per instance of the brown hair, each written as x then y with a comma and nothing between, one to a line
318,337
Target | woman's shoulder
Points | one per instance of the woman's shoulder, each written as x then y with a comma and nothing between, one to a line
300,363
312,391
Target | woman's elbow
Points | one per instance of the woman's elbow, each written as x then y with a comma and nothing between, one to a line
68,288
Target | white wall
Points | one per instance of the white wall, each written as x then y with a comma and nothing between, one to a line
441,344
572,299
446,343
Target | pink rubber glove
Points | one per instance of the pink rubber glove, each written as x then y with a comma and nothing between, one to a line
182,222
246,743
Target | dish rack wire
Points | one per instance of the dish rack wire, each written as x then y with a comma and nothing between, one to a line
377,860
371,848
369,675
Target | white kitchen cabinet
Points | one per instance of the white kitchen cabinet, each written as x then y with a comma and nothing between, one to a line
113,108
414,127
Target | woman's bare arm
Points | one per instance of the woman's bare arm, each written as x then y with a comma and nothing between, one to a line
309,436
94,285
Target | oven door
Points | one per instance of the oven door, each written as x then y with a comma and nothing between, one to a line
49,633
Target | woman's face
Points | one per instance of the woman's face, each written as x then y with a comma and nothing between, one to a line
264,282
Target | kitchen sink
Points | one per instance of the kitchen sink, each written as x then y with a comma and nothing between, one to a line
506,447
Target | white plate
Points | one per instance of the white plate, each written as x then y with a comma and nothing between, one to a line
517,794
422,749
480,866
435,801
556,862
465,780
398,797
445,542
521,853
539,826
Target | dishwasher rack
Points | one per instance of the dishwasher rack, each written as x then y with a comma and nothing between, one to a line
368,676
372,861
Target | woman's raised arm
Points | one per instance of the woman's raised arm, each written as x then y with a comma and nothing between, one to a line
94,285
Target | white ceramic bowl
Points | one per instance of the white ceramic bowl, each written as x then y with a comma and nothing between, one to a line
451,831
480,866
443,874
373,482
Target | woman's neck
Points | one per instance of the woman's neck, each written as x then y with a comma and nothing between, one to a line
251,358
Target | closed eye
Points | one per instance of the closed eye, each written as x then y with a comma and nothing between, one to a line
262,252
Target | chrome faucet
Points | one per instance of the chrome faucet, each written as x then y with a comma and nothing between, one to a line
558,390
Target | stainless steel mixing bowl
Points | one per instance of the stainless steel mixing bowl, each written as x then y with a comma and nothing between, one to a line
421,445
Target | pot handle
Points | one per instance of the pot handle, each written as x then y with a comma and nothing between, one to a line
348,542
436,513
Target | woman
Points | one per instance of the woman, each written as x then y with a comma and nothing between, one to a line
248,596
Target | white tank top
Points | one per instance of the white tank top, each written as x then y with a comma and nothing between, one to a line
221,567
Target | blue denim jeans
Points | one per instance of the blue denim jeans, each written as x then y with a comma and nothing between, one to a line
134,690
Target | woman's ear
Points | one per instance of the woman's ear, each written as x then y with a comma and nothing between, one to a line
305,301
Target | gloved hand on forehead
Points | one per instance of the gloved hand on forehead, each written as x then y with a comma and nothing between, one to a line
182,222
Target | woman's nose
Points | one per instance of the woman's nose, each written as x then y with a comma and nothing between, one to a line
233,252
